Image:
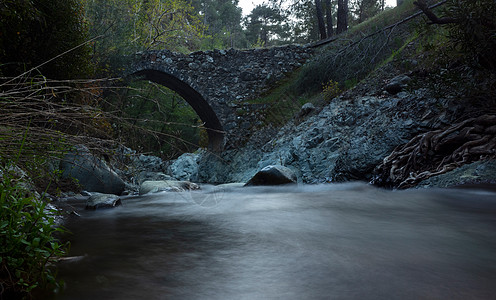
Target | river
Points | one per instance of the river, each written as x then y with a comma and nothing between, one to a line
336,241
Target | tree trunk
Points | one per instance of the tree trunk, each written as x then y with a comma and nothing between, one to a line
328,10
342,16
320,19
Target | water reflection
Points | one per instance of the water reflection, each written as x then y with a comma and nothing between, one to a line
348,241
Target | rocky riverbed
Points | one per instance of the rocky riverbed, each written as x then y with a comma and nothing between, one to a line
342,141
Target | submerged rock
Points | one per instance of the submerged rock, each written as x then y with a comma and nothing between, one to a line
231,185
167,186
99,200
273,175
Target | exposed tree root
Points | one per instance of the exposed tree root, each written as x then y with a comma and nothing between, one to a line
437,152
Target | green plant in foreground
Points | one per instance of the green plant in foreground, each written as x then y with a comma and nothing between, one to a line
27,241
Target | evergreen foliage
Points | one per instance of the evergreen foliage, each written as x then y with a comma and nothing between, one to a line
32,32
129,26
474,32
265,27
222,24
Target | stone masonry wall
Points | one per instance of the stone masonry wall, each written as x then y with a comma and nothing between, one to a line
225,79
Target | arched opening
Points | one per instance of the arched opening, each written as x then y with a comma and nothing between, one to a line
198,103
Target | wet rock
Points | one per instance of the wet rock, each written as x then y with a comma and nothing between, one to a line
185,167
92,173
152,176
99,200
230,186
273,175
167,186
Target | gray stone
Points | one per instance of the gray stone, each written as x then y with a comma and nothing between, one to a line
229,186
248,76
92,173
397,84
152,176
306,109
149,163
185,167
167,186
273,175
193,66
99,200
477,173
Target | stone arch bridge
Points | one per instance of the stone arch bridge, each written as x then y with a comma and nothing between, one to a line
219,84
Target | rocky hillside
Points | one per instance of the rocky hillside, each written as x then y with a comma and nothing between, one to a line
420,91
348,138
415,112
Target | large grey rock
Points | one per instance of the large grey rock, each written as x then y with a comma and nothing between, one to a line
149,163
306,110
152,176
397,84
273,175
99,200
167,186
92,173
185,167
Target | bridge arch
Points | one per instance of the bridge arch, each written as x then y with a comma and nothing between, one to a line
220,84
215,131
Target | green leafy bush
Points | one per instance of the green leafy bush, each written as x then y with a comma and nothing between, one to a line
27,240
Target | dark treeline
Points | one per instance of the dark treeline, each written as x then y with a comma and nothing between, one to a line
32,32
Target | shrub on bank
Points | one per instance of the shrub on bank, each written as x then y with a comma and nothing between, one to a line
27,240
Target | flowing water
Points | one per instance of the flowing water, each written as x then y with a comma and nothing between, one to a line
347,241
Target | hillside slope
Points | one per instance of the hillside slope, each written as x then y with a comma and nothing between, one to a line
416,89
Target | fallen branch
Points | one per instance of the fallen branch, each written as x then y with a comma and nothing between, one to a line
422,5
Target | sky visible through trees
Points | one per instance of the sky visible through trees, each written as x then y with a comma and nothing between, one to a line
248,5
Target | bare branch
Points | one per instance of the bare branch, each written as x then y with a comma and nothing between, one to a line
422,5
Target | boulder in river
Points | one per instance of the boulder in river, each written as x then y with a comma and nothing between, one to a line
92,173
273,175
167,186
99,200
